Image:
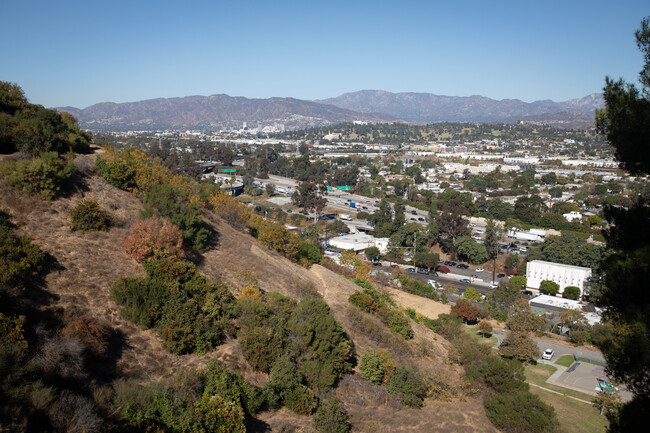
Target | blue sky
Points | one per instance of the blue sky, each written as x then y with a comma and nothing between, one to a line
79,53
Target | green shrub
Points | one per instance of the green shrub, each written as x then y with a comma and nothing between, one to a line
409,385
169,272
231,387
363,301
118,172
166,201
571,292
399,324
330,418
142,300
301,400
520,411
43,176
324,351
19,259
309,252
88,216
261,347
416,287
549,287
503,375
377,366
181,326
216,415
284,376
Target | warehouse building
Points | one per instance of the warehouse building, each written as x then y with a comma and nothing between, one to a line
564,275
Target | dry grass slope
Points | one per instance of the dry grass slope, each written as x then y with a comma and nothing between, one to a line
89,263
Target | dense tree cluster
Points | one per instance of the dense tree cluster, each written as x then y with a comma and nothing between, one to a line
33,129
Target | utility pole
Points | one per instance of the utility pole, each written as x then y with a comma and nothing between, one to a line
415,236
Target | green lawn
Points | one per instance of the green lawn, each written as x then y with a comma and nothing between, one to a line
565,360
574,416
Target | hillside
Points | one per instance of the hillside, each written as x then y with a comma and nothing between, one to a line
85,265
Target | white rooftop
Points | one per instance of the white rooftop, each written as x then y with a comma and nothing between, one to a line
552,301
542,262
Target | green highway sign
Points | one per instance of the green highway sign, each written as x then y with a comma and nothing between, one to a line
329,188
227,170
343,188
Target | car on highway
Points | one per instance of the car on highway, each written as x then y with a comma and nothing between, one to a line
548,354
465,281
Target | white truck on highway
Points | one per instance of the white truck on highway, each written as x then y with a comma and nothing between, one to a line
345,217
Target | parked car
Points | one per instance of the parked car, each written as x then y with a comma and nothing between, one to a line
465,281
548,354
378,264
472,224
501,275
411,269
413,212
522,249
444,269
422,271
420,219
289,211
480,270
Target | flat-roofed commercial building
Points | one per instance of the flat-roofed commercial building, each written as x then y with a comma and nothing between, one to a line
564,275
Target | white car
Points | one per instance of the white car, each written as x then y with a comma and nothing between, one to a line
548,354
480,270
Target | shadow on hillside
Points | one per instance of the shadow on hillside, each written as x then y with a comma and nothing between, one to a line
78,183
255,425
105,368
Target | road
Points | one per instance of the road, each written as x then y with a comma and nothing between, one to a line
559,349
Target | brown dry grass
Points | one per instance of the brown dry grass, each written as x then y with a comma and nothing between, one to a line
427,307
89,263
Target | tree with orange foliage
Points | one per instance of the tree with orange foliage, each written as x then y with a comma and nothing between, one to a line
154,238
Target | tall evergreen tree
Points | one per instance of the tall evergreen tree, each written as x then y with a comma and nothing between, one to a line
625,121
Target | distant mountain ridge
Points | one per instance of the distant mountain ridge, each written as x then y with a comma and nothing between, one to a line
215,111
218,111
427,107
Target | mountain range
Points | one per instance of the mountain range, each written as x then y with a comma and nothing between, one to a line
219,111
